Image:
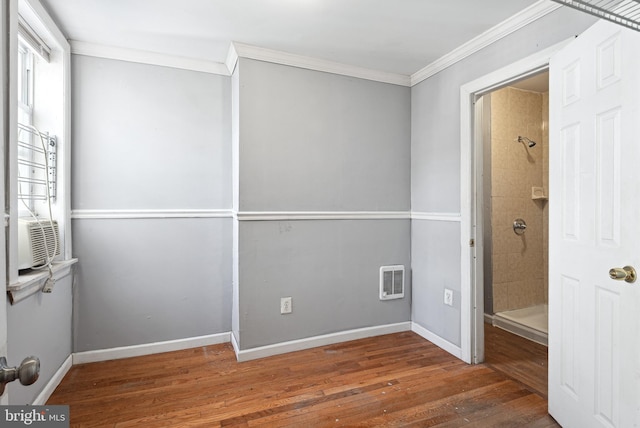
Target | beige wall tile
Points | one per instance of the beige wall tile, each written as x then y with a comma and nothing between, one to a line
519,262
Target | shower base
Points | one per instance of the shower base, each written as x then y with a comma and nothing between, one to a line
530,323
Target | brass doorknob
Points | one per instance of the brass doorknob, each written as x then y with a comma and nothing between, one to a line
627,273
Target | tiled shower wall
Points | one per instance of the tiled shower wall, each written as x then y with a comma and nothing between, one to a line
519,263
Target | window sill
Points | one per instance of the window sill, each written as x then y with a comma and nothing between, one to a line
32,282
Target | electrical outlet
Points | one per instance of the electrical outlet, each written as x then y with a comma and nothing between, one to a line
285,305
448,297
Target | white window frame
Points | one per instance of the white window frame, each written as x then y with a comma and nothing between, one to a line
25,111
33,14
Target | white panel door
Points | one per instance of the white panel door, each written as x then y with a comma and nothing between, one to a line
594,174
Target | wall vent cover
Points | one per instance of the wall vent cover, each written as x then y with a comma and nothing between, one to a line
391,282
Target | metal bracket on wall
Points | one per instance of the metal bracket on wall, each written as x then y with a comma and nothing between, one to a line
623,12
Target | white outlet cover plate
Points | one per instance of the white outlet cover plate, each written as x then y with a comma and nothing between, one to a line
448,297
285,305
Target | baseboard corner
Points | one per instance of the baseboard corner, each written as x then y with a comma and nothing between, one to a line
53,383
451,348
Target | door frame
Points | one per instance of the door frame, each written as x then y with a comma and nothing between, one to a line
471,203
8,31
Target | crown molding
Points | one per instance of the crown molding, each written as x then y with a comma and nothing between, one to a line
309,63
145,57
39,19
241,50
232,59
506,27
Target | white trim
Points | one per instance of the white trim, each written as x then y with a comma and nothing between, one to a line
253,215
234,343
506,27
32,282
321,215
471,303
323,340
488,318
237,50
454,350
146,57
53,383
134,214
38,15
232,59
309,63
149,348
521,330
454,217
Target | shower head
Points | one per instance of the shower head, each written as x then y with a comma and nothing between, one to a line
526,141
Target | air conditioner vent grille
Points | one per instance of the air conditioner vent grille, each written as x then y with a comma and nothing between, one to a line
37,242
41,242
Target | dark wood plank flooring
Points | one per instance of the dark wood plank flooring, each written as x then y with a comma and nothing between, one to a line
518,358
392,380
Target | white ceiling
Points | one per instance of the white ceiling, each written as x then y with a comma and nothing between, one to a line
398,36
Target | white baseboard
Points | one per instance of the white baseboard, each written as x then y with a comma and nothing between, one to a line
53,383
454,350
234,343
149,348
241,355
312,342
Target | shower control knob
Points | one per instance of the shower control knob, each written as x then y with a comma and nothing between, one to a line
519,226
627,273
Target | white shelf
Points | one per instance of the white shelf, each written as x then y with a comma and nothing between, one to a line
538,193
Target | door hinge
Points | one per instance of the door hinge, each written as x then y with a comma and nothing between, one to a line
472,242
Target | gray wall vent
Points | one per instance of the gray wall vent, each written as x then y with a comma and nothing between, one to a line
391,282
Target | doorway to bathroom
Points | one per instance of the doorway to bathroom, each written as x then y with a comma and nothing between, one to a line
515,224
516,211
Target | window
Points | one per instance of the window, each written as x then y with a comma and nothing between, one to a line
36,148
31,156
25,120
39,244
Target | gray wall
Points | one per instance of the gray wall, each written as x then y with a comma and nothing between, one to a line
151,280
150,138
40,325
329,268
435,163
312,141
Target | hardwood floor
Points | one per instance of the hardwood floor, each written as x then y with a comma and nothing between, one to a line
518,358
393,380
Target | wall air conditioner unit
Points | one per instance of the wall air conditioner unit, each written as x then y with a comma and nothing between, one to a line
35,240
